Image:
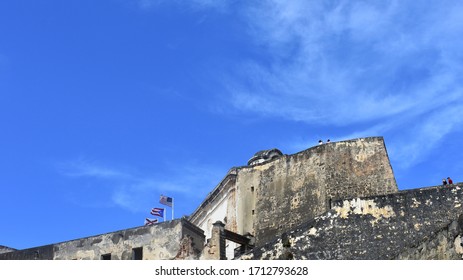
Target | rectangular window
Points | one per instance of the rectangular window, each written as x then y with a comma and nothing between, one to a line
106,256
137,253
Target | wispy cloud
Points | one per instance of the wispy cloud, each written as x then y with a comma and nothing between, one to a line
88,168
385,65
427,133
135,191
389,66
346,57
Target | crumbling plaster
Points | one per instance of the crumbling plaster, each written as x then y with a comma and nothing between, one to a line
414,224
177,239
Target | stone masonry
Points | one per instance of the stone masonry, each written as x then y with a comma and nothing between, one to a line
415,224
177,239
253,199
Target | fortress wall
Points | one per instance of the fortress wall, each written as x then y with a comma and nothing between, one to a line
246,204
380,227
168,240
356,168
254,199
446,244
219,205
35,253
4,249
286,192
156,242
160,241
295,188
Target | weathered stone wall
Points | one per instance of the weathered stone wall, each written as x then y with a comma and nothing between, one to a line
177,239
254,199
283,191
354,168
301,186
380,227
193,239
219,205
36,253
4,249
446,244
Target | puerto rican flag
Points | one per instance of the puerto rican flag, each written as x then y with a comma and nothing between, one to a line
157,212
165,200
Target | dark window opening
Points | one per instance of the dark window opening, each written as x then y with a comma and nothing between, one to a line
137,253
106,256
329,204
252,212
252,189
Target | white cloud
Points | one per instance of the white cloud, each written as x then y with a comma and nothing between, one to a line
336,61
83,167
133,190
386,65
426,134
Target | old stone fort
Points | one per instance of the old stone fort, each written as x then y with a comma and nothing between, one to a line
338,200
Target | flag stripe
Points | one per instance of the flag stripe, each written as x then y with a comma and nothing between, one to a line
165,200
157,212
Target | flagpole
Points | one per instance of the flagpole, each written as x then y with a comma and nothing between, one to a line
172,208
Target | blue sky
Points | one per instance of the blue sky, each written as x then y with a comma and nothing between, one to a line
105,105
